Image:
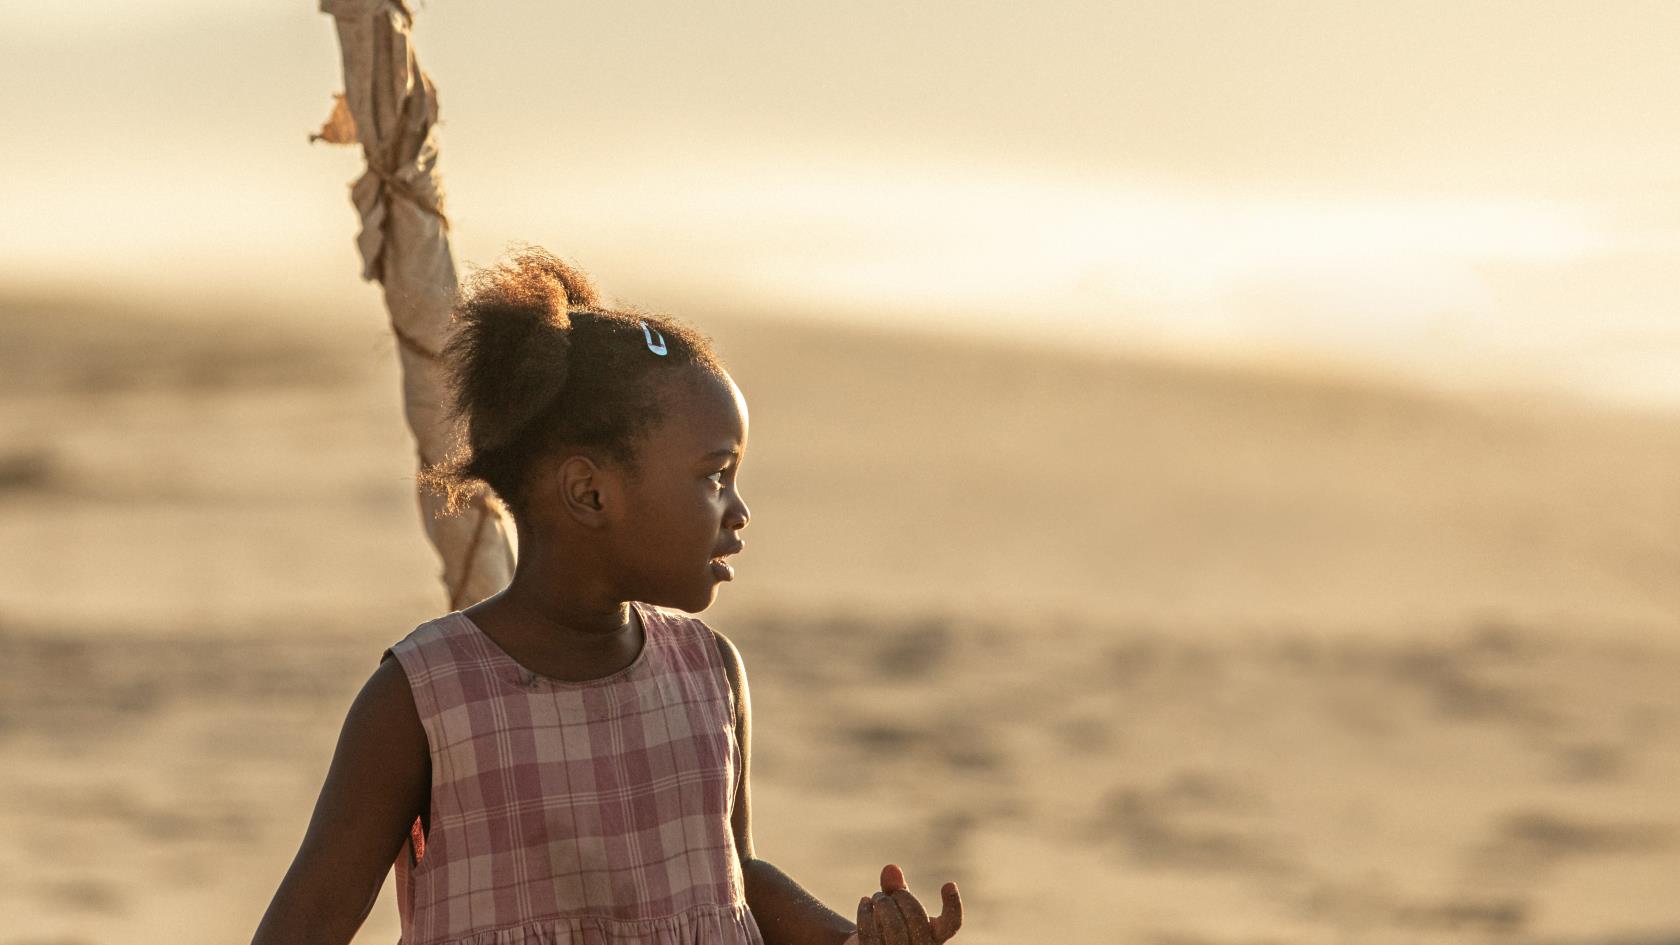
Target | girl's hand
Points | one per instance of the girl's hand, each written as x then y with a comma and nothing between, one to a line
894,917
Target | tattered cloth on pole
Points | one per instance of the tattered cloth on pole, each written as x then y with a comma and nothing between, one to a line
390,106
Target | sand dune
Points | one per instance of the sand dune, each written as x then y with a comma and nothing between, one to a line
1132,650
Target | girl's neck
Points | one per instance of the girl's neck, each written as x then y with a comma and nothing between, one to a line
552,593
560,639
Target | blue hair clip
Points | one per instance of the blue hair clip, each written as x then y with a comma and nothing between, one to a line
648,333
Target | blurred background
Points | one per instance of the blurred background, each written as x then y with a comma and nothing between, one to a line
1213,466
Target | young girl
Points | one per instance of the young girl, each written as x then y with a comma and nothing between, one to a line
565,763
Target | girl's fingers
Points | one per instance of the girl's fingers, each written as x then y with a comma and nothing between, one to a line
921,932
869,931
892,878
951,918
893,929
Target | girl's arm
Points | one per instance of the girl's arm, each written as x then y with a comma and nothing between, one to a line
786,913
379,781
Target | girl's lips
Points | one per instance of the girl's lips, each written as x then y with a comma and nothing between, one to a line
722,570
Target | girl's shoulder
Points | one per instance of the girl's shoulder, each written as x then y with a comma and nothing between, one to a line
701,630
728,664
403,663
441,646
426,633
433,653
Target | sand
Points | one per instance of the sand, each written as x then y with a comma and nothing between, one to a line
1133,650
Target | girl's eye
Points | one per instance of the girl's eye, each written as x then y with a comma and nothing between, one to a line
718,473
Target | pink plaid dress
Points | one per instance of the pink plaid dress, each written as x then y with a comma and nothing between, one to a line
574,813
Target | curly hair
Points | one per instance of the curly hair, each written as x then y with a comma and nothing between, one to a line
536,365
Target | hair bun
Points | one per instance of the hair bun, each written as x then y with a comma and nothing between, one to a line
511,341
575,287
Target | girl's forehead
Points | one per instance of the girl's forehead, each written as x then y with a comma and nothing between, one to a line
702,416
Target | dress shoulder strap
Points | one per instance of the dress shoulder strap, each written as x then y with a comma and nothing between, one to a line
429,654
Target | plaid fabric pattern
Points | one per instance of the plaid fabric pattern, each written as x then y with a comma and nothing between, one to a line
574,813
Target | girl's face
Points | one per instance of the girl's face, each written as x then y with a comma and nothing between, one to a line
686,508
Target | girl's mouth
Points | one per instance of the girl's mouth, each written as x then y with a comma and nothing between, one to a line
722,570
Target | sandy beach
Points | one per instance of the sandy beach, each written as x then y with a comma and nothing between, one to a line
1133,650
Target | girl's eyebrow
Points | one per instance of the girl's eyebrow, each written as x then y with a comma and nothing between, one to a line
719,454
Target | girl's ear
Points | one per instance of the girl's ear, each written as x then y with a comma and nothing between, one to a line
573,487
